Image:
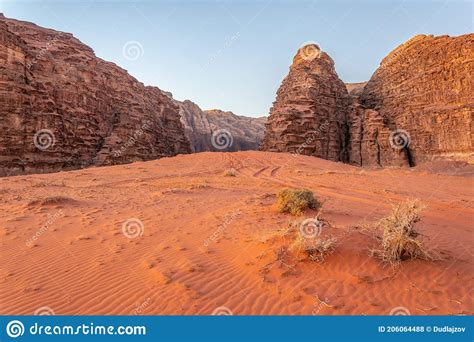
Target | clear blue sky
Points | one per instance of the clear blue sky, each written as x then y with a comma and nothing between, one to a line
232,55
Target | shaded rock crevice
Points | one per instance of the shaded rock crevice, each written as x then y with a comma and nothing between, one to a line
370,138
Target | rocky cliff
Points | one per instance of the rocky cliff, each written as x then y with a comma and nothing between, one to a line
61,107
216,130
310,113
355,89
417,106
423,92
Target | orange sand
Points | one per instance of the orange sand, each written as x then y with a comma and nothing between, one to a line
82,263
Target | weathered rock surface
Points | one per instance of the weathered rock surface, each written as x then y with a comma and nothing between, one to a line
216,130
61,107
369,136
417,106
355,89
247,132
310,113
423,90
369,140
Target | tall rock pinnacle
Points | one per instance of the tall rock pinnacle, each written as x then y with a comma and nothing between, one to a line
310,112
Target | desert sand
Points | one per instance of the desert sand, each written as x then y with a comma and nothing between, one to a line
203,244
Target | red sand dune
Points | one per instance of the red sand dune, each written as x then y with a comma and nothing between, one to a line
80,261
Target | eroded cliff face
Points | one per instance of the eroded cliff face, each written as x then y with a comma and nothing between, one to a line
61,107
371,142
247,133
423,93
310,113
217,130
417,106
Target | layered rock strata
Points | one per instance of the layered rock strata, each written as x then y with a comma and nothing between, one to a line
61,107
417,106
310,113
217,130
424,91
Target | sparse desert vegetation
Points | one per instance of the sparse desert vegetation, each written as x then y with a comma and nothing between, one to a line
237,178
398,236
295,201
316,248
301,240
230,172
183,201
51,200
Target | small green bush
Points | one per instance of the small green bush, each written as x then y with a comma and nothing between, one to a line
296,201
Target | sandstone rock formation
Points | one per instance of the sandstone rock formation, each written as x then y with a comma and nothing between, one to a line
424,91
355,89
61,107
216,130
371,142
310,113
418,105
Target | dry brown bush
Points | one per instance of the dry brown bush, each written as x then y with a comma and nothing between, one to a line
296,246
296,201
398,236
230,173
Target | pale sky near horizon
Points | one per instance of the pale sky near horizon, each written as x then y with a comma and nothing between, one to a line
233,55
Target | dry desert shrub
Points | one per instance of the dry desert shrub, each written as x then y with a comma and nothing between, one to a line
398,236
198,186
295,201
230,173
295,245
51,200
316,248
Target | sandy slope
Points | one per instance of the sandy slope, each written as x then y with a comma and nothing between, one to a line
82,263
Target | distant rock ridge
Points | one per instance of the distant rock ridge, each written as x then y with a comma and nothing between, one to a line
355,89
417,106
61,107
217,130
